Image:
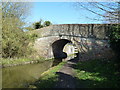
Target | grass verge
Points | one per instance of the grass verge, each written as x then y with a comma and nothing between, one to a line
97,74
48,78
20,61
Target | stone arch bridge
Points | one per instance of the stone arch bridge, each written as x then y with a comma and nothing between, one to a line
91,40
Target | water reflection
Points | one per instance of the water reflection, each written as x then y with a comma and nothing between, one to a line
21,76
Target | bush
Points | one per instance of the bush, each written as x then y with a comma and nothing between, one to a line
33,36
15,42
47,23
115,39
37,25
16,45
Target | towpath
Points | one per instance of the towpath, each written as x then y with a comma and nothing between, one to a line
66,74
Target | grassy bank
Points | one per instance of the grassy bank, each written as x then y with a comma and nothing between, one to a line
48,78
97,74
20,61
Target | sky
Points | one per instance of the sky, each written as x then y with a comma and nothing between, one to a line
60,13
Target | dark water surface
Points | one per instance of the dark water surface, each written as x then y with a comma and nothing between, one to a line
21,76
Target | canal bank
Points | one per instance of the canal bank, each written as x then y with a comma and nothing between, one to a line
95,73
52,78
21,61
48,78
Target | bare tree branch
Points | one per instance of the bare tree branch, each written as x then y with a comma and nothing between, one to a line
107,6
103,12
103,9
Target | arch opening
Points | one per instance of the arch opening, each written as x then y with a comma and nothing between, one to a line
58,47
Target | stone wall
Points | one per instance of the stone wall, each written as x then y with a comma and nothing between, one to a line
98,31
90,39
93,49
43,46
88,48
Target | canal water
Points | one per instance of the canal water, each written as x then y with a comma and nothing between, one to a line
21,76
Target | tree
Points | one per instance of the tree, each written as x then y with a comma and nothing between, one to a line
108,12
38,24
47,23
14,40
41,24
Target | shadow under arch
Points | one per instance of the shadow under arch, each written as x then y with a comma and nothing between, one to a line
57,48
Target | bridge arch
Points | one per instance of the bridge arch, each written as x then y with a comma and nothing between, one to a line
58,47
